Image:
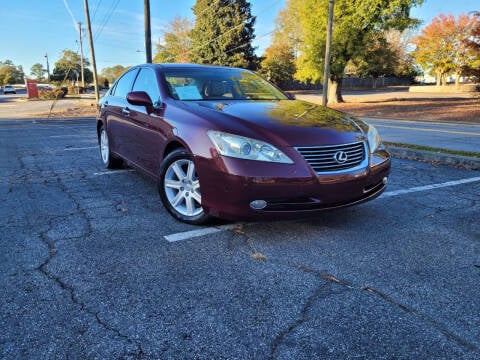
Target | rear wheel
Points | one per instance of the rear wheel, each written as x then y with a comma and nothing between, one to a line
108,160
179,188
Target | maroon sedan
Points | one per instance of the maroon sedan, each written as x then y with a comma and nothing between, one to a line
223,142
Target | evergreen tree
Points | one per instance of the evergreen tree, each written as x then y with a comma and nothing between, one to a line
223,33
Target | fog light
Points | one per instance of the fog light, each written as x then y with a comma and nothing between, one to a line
258,204
385,180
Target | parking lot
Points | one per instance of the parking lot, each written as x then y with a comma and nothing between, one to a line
92,266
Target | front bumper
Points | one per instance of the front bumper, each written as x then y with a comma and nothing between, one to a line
290,190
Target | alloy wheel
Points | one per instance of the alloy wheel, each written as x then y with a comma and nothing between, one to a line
182,188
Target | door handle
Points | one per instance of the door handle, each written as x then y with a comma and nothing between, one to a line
126,112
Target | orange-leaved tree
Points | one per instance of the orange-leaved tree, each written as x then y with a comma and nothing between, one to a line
176,44
442,46
473,42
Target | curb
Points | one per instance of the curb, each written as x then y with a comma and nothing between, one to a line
464,162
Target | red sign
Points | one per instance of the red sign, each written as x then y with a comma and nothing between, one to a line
32,89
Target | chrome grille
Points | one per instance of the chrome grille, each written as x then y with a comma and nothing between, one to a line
334,158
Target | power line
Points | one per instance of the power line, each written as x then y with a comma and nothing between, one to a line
96,9
107,18
268,7
239,46
215,2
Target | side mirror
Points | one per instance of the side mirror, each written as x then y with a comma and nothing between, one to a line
290,96
140,98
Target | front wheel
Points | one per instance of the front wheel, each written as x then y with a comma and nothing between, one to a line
108,160
179,188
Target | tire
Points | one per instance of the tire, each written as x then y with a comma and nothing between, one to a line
108,160
179,188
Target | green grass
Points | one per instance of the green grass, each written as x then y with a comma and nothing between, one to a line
436,150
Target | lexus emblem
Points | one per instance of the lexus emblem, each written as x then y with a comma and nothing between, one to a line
340,157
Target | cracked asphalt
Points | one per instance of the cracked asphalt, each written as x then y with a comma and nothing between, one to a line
86,272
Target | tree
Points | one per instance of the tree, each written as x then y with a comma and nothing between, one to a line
176,44
112,73
355,23
223,33
278,64
376,60
442,46
287,29
474,40
473,43
68,67
388,54
400,43
38,72
11,74
278,61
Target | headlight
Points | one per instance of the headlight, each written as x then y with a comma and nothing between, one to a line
373,138
246,148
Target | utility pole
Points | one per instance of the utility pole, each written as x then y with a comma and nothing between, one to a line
148,31
92,51
81,53
326,72
48,69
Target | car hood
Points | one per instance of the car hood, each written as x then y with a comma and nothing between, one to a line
288,122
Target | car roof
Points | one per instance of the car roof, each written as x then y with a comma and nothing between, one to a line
180,66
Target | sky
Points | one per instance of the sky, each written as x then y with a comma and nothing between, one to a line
32,28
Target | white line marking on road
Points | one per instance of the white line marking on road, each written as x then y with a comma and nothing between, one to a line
200,232
430,130
112,172
81,148
212,230
429,187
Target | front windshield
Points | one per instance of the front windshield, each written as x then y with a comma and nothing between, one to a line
219,84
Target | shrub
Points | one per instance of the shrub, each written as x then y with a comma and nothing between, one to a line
57,93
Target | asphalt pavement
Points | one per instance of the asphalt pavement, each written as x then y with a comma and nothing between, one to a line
16,106
93,267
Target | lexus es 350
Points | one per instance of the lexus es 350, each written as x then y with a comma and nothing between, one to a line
223,142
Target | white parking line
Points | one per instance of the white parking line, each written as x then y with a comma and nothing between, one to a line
81,148
211,230
200,232
112,172
429,187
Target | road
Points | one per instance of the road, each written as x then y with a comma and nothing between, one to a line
16,105
92,266
451,136
461,137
